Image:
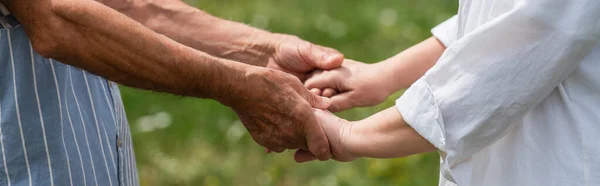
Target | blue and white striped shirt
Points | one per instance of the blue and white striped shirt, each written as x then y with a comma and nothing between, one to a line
59,125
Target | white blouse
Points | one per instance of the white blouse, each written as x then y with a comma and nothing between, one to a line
515,98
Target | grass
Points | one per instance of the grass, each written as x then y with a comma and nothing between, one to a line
187,141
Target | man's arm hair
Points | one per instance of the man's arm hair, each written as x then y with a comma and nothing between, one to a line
197,29
96,38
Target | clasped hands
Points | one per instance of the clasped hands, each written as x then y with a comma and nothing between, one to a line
281,112
354,84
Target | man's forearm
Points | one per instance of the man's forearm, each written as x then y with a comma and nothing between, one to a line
385,135
91,36
408,66
197,29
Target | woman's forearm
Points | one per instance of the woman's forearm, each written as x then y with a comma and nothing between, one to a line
385,135
408,66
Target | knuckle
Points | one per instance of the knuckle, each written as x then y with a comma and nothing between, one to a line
310,99
270,74
303,111
290,37
267,72
294,83
354,98
306,50
293,79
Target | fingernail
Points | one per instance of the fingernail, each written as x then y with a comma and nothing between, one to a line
326,100
330,57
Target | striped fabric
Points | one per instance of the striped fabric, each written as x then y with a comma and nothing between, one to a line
59,125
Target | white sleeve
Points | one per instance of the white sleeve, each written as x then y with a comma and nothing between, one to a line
487,80
446,32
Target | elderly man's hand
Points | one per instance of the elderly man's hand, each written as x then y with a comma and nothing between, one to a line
277,111
298,57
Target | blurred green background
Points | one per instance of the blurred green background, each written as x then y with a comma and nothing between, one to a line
185,141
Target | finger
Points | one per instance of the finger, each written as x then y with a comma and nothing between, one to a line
317,141
315,101
316,91
314,73
273,143
278,150
287,144
277,142
276,66
302,156
329,92
322,81
279,147
319,102
324,57
341,102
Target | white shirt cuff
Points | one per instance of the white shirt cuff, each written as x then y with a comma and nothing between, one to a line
446,31
419,109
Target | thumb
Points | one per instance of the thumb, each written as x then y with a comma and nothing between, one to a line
302,156
324,119
319,102
316,139
324,57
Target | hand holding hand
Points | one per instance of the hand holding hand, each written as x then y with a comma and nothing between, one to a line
276,108
298,57
354,84
338,132
277,111
382,135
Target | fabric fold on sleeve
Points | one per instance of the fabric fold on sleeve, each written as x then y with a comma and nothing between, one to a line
419,109
446,32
